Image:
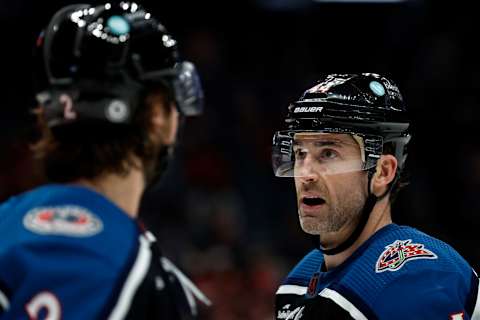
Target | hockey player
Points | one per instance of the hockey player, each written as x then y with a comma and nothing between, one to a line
345,145
117,90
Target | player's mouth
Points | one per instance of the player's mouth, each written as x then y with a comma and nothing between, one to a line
311,202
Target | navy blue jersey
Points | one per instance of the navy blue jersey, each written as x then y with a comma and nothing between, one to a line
399,273
66,252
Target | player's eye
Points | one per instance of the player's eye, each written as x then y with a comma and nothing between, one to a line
300,153
328,154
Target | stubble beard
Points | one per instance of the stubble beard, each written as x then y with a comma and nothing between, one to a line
337,215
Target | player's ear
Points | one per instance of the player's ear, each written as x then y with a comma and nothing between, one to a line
387,167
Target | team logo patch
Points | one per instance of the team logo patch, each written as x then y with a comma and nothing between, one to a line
63,220
399,252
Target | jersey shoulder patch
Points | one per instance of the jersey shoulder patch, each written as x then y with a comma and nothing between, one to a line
66,220
398,253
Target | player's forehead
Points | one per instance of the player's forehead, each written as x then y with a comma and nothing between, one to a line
301,138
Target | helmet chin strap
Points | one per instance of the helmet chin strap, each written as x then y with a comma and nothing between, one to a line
364,216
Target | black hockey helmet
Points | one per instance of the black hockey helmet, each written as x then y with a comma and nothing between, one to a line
367,106
99,61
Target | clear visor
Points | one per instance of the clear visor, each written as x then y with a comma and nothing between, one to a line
188,90
303,153
186,85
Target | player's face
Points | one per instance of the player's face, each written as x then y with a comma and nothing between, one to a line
328,200
169,126
165,118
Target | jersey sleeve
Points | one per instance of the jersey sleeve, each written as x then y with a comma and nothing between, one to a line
430,295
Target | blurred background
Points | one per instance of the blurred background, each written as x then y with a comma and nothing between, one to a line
219,213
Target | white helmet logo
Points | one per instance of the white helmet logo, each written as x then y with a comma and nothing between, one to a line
117,111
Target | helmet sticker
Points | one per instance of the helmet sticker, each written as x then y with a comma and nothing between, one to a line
118,25
393,90
329,82
377,88
117,111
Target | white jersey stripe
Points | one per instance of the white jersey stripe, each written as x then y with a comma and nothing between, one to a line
476,310
134,279
292,289
191,291
4,303
342,302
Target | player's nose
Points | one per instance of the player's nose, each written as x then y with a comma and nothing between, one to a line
307,172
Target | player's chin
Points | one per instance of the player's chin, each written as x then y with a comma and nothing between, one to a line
310,225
